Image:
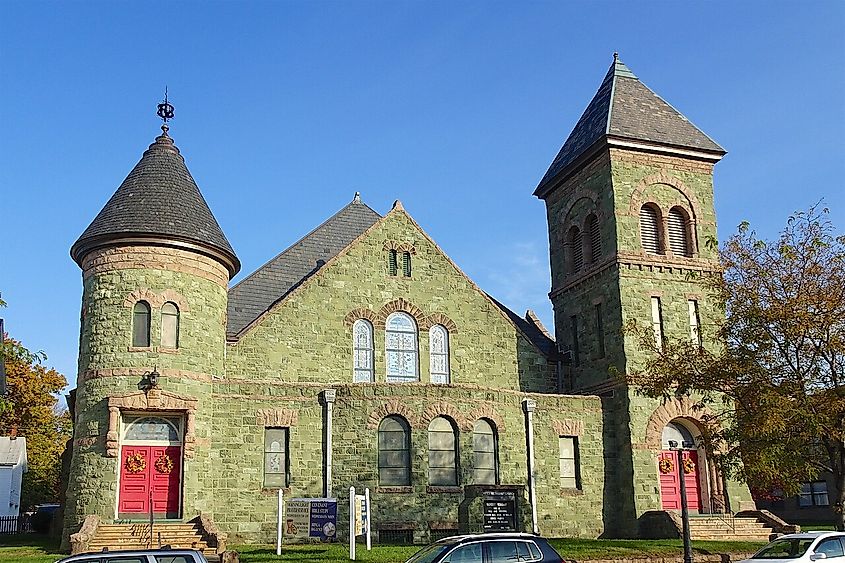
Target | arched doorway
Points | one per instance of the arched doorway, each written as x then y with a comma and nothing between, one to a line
675,435
150,467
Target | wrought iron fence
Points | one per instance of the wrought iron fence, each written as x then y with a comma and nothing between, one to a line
15,524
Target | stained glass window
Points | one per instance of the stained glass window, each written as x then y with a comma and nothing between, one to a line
275,458
141,325
394,460
442,453
484,446
169,325
151,429
362,351
438,338
401,348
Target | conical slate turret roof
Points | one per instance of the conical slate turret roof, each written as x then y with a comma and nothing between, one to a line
625,109
158,203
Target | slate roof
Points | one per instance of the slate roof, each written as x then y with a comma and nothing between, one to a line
12,452
159,198
255,294
625,108
532,331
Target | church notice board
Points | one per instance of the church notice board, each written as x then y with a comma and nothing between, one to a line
499,511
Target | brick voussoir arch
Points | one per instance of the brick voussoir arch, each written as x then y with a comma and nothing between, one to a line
143,294
485,411
400,246
360,313
446,409
392,407
638,197
669,411
402,305
439,319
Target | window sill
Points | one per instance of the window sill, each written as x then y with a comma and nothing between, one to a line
169,350
140,349
265,492
395,490
450,489
567,492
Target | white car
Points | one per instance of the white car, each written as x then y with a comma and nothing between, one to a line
139,556
803,548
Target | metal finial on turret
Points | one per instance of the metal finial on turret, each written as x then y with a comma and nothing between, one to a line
615,56
165,112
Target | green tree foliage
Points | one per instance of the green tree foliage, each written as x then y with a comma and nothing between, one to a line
31,406
774,373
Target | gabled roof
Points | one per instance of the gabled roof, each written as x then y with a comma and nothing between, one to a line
13,452
158,201
532,328
256,293
624,108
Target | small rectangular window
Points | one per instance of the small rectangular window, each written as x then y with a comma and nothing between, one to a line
657,321
573,335
600,330
570,477
276,458
406,264
813,494
392,263
694,322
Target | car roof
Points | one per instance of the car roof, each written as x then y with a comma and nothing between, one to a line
122,552
811,535
489,536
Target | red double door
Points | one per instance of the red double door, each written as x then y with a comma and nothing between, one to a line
156,480
670,480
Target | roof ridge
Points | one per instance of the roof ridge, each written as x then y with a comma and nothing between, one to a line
302,238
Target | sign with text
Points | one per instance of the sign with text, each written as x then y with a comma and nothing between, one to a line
311,518
499,511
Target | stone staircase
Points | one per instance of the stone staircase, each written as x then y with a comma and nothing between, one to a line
177,535
728,527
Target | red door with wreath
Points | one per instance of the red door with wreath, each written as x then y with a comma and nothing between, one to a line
670,482
149,474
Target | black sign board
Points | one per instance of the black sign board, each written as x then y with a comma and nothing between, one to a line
499,511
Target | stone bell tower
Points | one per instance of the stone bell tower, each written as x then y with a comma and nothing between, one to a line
155,269
629,202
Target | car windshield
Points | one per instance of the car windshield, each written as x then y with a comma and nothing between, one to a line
791,548
429,553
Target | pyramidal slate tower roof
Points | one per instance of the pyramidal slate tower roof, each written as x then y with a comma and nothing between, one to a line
626,112
158,203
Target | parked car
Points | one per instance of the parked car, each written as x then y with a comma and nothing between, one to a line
802,548
162,555
488,548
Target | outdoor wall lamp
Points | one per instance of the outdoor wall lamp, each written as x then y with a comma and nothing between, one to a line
149,380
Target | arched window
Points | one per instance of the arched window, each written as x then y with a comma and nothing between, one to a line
650,229
392,262
362,351
401,348
141,325
169,325
442,453
151,429
394,459
406,264
485,447
594,238
576,249
438,339
678,433
679,233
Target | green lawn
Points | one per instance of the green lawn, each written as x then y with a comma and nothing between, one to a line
37,549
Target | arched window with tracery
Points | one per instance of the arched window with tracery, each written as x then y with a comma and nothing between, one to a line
442,453
576,249
650,228
593,238
402,352
679,236
141,325
394,452
169,325
362,352
485,453
438,338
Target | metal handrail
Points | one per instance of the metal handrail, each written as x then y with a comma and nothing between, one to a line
723,514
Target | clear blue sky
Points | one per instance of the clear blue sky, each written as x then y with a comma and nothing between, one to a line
285,109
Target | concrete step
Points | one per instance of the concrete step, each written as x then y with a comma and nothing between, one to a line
137,536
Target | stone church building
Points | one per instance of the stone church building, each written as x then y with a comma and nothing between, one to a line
363,356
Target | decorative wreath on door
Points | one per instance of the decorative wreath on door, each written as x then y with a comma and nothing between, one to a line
689,466
135,463
666,466
164,464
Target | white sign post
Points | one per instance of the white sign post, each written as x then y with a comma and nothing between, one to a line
359,519
369,518
279,527
352,523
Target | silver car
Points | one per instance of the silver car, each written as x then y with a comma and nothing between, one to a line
139,556
803,548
